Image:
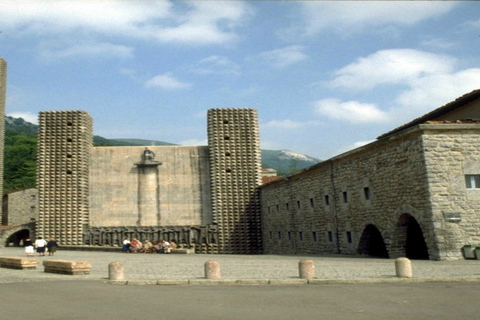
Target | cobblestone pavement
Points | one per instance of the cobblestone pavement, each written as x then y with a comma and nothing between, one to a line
147,267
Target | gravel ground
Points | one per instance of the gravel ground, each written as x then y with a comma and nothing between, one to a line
191,266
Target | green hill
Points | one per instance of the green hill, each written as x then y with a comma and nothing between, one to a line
21,153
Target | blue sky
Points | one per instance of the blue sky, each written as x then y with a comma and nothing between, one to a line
325,76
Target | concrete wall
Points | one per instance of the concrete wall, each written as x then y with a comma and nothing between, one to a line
183,185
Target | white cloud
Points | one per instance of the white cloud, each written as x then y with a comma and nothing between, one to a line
167,82
355,16
27,116
393,66
89,49
284,56
163,21
216,65
424,81
351,111
287,124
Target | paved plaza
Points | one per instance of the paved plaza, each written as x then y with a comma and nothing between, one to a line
148,268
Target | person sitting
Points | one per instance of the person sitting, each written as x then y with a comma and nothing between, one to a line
166,246
135,245
147,247
173,245
156,246
126,245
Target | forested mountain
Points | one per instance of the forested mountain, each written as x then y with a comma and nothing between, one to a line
21,153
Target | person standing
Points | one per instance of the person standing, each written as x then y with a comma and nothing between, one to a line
40,244
27,243
52,246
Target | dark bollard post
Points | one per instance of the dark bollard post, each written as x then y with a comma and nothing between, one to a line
212,270
306,269
115,271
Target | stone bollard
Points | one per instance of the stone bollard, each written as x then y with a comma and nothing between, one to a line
212,270
403,268
306,269
115,271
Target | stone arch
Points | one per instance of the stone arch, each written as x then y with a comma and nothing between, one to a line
13,235
371,243
409,240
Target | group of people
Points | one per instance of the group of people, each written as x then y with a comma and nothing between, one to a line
40,245
136,246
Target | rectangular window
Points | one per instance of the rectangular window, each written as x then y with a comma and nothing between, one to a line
472,181
279,235
289,235
312,204
269,210
366,193
278,210
330,236
298,205
286,206
349,237
270,235
345,197
314,236
300,235
327,200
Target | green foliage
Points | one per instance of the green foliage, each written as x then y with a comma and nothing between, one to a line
20,162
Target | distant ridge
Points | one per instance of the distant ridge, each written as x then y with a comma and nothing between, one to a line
283,161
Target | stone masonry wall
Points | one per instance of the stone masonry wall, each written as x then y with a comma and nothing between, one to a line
451,152
183,186
22,206
334,205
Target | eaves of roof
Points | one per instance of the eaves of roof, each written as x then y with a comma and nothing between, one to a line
432,115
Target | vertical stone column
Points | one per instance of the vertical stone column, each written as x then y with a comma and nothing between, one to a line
3,93
148,197
234,152
65,140
148,190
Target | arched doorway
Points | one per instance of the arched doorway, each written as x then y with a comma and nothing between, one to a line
371,243
410,237
15,239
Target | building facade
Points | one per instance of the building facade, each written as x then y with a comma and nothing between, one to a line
205,197
413,192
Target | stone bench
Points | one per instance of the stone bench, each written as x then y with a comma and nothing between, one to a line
183,251
67,267
18,263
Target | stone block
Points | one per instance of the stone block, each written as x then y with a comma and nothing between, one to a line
18,263
67,267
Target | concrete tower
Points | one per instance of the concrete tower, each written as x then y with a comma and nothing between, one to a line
64,145
234,147
3,93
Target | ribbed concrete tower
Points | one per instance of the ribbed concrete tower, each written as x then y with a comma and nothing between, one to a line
64,145
3,93
234,144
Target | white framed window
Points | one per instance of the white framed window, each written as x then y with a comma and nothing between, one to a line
472,181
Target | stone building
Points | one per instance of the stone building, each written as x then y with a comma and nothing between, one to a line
205,197
413,192
3,97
